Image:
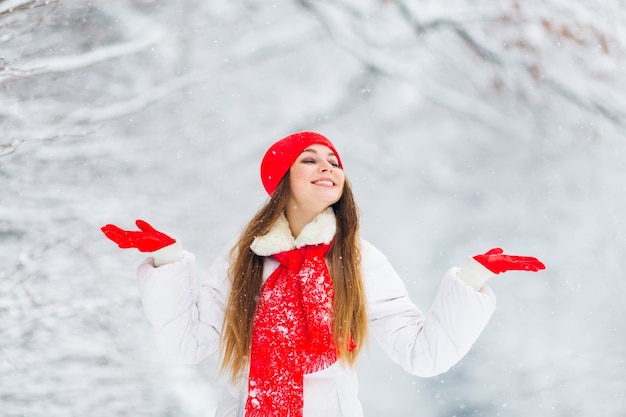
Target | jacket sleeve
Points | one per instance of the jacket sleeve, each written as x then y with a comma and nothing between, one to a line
424,345
186,318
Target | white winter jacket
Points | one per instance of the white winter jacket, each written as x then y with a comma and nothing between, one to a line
187,318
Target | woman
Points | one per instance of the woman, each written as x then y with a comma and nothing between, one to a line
292,303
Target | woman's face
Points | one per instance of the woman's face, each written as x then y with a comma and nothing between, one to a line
316,180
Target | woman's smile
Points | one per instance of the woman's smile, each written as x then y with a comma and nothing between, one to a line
324,182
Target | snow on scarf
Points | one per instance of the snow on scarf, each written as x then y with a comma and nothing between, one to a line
293,328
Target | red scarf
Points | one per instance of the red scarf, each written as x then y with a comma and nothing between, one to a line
292,333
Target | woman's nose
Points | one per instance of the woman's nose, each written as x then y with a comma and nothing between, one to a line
326,166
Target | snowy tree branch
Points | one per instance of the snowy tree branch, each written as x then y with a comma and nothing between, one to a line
421,28
12,6
75,62
614,115
8,148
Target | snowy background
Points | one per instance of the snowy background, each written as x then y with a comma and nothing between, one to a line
463,125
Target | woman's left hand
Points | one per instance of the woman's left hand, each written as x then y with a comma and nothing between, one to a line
497,262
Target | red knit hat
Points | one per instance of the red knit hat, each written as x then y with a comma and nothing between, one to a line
281,156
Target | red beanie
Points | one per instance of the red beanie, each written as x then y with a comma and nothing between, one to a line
281,156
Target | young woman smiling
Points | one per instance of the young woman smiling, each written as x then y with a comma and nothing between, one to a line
293,301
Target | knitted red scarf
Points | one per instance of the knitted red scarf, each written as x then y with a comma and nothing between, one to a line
292,333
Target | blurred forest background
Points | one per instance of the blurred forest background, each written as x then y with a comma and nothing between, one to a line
463,125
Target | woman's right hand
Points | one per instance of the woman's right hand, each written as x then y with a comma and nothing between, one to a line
146,239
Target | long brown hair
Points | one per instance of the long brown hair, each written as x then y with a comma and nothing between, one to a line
246,276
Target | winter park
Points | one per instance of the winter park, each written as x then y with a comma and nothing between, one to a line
462,126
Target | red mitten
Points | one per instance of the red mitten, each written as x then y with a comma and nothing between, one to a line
497,262
147,239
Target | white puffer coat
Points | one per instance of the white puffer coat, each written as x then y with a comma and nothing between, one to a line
187,318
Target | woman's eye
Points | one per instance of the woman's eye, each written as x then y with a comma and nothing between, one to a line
335,164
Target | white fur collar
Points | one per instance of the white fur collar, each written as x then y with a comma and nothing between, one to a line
279,238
